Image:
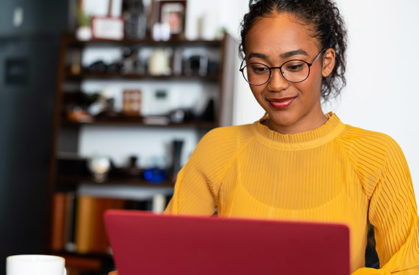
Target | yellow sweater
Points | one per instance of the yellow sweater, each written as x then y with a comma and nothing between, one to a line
335,173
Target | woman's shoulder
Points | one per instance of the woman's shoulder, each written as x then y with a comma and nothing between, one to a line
372,153
357,136
370,150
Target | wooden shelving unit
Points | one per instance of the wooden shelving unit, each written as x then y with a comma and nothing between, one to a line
98,263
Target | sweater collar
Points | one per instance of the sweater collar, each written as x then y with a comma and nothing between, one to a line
309,139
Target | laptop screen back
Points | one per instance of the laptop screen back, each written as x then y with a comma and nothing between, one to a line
145,243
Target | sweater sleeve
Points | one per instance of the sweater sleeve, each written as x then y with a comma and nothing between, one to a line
192,194
393,213
198,182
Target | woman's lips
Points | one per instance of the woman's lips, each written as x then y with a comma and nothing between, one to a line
281,103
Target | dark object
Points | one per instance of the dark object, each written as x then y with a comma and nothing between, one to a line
135,19
115,67
17,71
109,110
98,67
74,166
88,99
196,65
81,99
130,59
132,169
181,115
154,175
213,67
129,52
39,18
209,112
371,257
26,120
176,158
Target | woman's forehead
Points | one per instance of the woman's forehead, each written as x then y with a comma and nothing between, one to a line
279,34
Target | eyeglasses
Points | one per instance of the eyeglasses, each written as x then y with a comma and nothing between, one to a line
294,70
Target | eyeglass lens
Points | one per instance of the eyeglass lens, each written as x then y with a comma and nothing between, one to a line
292,70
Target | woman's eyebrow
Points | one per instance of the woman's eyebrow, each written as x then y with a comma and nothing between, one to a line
283,55
292,53
258,55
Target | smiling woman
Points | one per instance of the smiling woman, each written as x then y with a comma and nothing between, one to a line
297,163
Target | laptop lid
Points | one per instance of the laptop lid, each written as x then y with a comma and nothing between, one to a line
146,243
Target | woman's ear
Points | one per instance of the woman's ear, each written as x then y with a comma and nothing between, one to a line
328,62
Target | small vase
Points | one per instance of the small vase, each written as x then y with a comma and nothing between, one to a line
84,33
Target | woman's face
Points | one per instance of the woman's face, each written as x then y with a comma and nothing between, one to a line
292,107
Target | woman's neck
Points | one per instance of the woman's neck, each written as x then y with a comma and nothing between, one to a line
306,123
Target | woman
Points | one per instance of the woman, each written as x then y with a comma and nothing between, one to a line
298,163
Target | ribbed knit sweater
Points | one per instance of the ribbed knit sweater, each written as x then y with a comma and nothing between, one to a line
335,173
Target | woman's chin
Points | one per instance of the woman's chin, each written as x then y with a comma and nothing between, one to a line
281,122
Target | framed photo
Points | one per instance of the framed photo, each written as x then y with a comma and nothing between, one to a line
109,28
132,102
173,13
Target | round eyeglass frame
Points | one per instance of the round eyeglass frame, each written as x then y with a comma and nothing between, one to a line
280,69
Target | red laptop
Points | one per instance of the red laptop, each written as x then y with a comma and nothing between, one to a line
146,243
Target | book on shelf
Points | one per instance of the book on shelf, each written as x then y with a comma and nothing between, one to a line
84,223
90,229
71,221
77,220
99,242
62,220
58,222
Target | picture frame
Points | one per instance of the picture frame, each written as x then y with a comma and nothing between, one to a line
107,28
173,13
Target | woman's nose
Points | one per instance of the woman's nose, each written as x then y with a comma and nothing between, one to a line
277,82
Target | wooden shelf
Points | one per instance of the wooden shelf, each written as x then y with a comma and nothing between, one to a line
133,76
99,262
132,121
111,180
74,42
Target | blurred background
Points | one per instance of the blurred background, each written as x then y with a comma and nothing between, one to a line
102,102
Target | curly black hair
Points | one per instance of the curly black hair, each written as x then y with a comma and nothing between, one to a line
328,27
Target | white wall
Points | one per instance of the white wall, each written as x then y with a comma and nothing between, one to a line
218,13
383,64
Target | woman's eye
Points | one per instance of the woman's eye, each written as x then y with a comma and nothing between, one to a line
259,69
294,67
